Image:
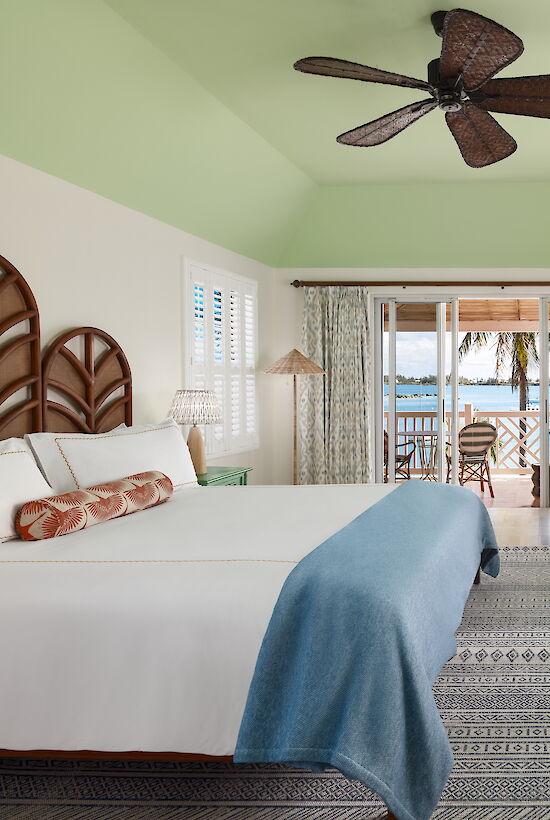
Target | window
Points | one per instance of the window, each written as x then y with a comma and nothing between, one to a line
222,345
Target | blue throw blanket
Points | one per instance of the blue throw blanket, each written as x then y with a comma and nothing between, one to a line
362,627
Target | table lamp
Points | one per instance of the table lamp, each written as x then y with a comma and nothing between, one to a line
195,407
295,364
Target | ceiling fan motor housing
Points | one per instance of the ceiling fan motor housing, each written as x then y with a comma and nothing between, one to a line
449,101
450,98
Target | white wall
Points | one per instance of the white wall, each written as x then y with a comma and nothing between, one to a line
93,262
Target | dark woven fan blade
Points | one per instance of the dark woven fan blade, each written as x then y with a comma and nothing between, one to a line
475,48
479,136
384,128
331,67
529,96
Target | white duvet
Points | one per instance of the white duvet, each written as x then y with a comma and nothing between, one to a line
142,633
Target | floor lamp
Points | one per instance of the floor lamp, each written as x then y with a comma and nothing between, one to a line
295,364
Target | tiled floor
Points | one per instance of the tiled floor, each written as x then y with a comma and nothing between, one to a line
521,526
512,491
516,521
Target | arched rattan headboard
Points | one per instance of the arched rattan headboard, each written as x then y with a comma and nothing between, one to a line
86,383
19,355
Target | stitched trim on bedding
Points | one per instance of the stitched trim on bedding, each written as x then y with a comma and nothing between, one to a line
120,435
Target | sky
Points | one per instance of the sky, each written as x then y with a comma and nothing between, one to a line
416,355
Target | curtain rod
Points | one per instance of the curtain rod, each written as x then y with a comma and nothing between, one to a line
303,283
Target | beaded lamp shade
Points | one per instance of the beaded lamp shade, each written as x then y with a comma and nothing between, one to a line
195,407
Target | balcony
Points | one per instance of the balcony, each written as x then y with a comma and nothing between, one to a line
517,447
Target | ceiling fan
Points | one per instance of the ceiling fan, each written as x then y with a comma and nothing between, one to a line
459,82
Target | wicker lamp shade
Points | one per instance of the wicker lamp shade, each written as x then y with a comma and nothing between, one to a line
295,364
195,407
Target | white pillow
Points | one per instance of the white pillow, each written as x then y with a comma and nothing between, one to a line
20,481
80,460
50,460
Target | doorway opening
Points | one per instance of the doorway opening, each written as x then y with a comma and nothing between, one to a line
450,363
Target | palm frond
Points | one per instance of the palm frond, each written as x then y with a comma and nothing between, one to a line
473,340
515,350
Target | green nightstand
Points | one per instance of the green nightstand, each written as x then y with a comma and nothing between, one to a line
224,476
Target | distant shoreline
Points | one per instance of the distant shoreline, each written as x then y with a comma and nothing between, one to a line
484,398
460,384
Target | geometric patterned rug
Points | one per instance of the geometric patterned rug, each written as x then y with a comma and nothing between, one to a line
494,697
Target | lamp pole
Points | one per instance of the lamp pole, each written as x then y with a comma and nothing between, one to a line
294,425
295,364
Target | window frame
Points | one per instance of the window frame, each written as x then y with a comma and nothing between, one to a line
228,283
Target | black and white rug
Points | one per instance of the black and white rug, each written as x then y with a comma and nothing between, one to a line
494,696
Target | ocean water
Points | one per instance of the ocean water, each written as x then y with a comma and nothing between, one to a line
490,398
485,399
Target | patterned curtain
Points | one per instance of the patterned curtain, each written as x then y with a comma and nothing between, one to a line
335,408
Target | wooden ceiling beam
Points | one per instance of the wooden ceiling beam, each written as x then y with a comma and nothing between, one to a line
514,315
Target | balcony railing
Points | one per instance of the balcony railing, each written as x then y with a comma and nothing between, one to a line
518,436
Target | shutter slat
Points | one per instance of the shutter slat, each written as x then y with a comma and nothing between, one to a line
223,355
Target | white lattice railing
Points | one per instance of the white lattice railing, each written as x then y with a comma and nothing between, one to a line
518,436
518,442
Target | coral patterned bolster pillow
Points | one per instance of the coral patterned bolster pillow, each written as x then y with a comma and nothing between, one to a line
61,514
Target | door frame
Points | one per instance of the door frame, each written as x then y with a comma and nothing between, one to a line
437,292
441,333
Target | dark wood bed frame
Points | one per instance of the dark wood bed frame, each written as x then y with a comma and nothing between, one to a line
87,391
85,385
20,367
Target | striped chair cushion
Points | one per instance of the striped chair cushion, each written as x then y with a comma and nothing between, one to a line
475,439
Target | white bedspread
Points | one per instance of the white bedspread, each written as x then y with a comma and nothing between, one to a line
142,633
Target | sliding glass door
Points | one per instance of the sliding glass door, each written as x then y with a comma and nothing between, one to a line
541,479
504,375
416,396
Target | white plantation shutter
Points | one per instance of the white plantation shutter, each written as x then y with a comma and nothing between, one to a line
223,348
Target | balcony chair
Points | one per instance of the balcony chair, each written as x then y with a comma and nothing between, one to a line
403,457
474,442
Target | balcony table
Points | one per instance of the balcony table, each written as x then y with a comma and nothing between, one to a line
426,443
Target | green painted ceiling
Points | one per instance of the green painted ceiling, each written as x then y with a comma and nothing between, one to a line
242,51
87,98
190,111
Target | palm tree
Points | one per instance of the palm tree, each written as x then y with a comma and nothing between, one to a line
517,351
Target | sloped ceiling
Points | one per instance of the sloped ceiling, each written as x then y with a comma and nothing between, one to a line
87,98
190,111
243,51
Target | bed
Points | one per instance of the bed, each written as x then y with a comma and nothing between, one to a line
147,599
181,610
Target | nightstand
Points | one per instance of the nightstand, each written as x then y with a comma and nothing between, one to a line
224,476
